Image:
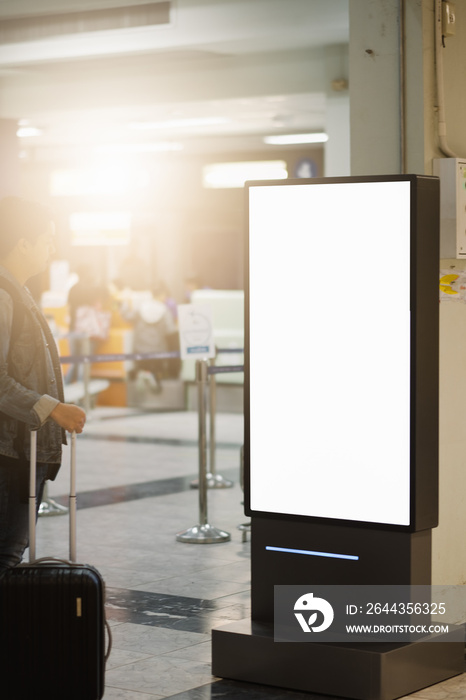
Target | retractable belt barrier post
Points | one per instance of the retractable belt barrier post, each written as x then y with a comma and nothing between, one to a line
214,480
244,528
87,374
203,533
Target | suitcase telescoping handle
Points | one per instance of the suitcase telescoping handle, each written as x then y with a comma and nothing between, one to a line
33,498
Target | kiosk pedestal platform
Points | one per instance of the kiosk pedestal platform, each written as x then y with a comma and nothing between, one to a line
245,650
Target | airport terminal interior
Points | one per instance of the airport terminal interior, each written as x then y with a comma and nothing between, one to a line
138,123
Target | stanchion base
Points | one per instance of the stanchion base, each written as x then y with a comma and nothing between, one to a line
244,528
214,481
50,507
203,534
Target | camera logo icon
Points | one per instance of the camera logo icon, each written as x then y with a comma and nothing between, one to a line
312,606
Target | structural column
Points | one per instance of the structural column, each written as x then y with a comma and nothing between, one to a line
387,85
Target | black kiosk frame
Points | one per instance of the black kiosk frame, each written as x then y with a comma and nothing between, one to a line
341,421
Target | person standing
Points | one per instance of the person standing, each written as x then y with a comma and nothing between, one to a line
153,329
89,323
31,385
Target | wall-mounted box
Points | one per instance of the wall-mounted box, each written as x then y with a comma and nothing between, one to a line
452,174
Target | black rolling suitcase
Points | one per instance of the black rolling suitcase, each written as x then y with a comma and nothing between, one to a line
52,619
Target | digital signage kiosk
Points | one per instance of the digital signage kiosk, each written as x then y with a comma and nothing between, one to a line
341,418
339,309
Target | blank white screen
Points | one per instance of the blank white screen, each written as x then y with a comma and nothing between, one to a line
329,351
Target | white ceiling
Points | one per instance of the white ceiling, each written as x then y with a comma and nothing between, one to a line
255,66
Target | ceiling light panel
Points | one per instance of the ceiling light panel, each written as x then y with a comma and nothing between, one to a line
28,131
291,139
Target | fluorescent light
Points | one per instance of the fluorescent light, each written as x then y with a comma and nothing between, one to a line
156,147
288,139
180,123
224,175
27,131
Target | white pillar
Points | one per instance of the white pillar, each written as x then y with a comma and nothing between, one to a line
374,81
337,148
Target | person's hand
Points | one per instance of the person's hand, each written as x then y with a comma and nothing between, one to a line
69,417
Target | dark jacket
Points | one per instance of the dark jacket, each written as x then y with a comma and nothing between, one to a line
30,380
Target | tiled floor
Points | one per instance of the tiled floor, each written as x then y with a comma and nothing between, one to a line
164,596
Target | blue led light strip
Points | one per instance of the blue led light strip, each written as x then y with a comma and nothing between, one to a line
309,552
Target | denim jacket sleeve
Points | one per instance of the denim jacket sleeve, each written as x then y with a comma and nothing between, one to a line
16,400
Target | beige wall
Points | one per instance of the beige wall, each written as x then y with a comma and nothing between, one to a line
375,147
449,556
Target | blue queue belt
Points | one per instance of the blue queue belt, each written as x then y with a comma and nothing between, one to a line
120,357
225,369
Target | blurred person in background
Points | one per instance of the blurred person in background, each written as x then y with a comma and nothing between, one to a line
154,332
89,322
31,386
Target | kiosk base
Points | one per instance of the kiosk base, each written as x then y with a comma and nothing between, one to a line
246,651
